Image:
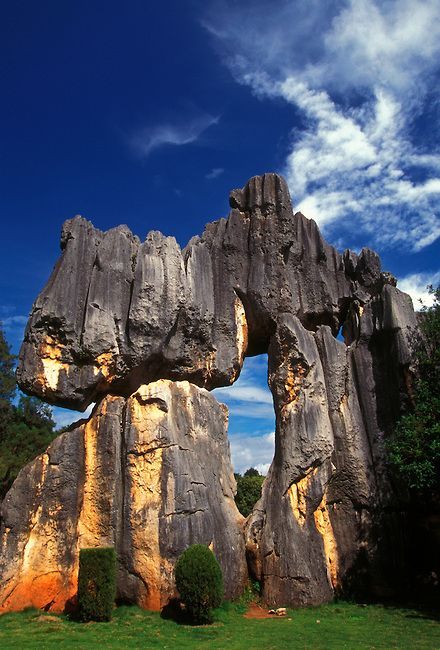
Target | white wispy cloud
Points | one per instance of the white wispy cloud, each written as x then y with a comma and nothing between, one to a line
416,284
214,173
358,74
177,133
245,391
250,409
252,451
249,396
13,326
11,322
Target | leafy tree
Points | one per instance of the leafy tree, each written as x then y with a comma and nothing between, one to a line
7,383
7,375
251,472
414,447
25,430
35,413
248,490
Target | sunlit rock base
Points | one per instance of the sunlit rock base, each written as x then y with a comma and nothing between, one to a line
148,475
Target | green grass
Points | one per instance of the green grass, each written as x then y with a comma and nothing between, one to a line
339,625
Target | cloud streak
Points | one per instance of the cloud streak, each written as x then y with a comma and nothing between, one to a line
416,285
179,133
359,77
250,396
214,173
249,451
11,322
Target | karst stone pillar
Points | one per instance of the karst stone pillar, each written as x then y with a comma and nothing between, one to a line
149,475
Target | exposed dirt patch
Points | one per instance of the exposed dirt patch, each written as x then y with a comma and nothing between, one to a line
47,618
257,611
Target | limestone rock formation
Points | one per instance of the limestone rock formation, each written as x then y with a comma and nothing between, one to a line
116,313
123,323
148,475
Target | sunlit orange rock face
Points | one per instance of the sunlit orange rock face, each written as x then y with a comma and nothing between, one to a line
149,475
143,328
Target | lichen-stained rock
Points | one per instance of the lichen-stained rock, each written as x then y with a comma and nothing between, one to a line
38,547
108,299
52,340
179,490
150,475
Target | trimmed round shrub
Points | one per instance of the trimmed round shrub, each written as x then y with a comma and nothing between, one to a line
199,581
96,583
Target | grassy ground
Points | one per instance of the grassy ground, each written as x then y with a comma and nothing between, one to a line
339,625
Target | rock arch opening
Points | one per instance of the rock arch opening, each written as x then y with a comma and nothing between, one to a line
251,429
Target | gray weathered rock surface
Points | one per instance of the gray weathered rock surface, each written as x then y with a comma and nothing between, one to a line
117,313
315,529
124,322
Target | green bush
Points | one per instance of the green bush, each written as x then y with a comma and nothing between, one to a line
96,583
248,491
199,581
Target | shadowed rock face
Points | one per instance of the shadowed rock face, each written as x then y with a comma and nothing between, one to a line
130,324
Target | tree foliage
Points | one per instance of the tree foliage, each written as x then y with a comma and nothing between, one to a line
414,447
7,381
248,490
251,472
199,581
26,429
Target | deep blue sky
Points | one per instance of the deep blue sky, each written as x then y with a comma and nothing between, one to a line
148,114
